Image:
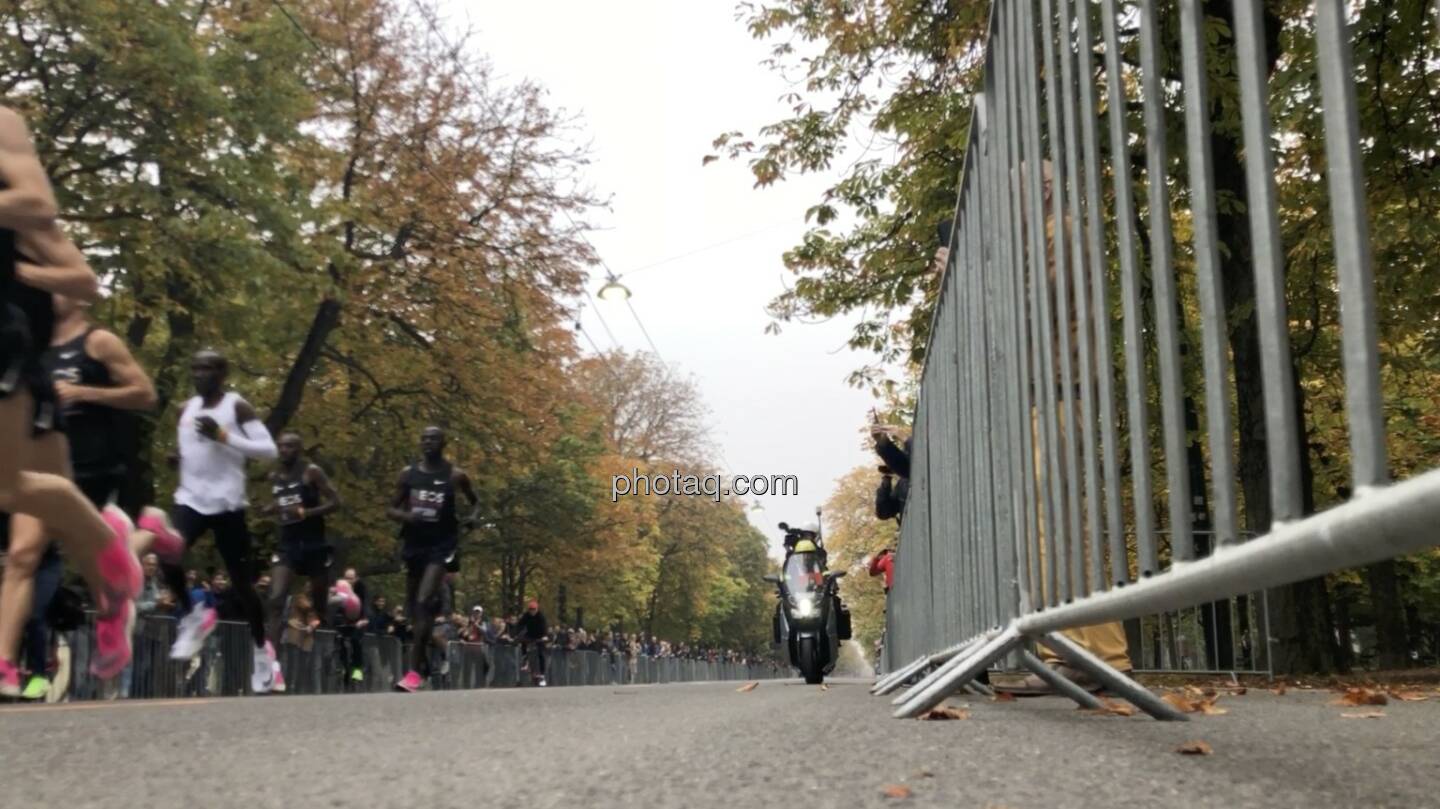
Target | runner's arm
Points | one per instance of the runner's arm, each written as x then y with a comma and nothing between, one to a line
64,271
399,510
464,486
252,439
329,498
26,198
132,389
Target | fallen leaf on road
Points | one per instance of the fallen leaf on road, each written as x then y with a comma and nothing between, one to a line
944,712
1364,715
1194,701
1238,692
1112,707
1361,696
924,774
1004,696
1207,707
1194,748
748,687
1409,696
1280,690
897,791
1180,702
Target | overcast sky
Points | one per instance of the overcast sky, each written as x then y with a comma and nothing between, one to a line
654,82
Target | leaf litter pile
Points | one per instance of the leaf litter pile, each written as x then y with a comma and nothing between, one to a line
1195,700
944,712
1362,696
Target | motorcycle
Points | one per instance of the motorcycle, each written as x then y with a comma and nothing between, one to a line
810,618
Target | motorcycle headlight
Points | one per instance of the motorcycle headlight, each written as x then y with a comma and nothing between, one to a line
804,606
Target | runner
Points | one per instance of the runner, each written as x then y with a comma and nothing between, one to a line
533,632
218,431
302,497
424,505
36,261
95,379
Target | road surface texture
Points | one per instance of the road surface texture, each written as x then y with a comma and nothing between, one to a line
783,744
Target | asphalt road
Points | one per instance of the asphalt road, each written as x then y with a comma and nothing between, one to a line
703,745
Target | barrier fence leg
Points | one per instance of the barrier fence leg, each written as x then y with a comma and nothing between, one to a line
896,678
979,689
1058,682
1077,656
950,677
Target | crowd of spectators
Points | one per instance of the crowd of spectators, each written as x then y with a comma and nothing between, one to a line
378,617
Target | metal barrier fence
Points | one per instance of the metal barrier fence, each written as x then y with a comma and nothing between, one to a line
1032,504
326,664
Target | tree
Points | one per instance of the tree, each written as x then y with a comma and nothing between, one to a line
853,536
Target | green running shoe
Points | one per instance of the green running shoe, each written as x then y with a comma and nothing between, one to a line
36,688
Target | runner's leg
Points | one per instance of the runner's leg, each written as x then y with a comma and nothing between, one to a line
232,538
427,597
280,577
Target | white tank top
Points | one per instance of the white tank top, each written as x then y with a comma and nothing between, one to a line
212,475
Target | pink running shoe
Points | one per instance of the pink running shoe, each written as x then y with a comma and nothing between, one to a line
121,571
168,545
279,676
123,579
112,640
410,682
9,680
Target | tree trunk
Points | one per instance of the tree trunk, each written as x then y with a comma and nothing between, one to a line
1391,641
327,318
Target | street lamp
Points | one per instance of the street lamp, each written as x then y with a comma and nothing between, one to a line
613,289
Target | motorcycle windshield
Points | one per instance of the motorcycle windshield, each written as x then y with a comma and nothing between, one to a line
804,574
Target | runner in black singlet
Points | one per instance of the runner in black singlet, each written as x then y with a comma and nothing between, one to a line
424,505
303,495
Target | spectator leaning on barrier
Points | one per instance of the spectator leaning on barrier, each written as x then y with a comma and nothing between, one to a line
883,564
300,628
400,626
497,632
474,631
1105,641
227,606
148,602
894,485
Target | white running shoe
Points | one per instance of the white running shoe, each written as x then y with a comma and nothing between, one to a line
192,632
262,671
